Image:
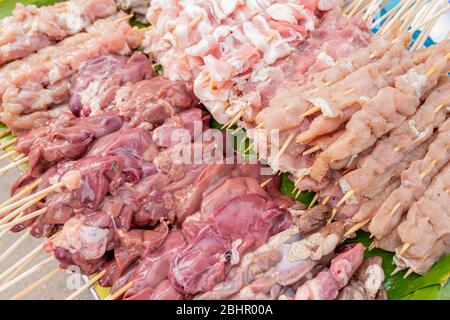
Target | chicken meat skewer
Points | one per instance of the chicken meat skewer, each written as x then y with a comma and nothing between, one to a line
420,255
50,68
322,161
415,181
30,29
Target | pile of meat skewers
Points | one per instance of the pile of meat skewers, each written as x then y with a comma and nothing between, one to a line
351,113
362,121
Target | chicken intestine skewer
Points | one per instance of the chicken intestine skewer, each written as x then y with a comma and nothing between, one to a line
30,29
293,262
257,263
367,282
326,285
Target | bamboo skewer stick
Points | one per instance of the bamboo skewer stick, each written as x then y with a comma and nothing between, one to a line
14,246
347,196
22,219
4,133
429,26
31,197
22,159
265,183
8,143
31,255
36,284
120,292
358,4
124,18
396,270
313,200
21,193
410,15
2,233
396,17
196,21
365,7
284,146
352,6
404,248
431,19
372,9
7,218
311,150
87,285
356,227
408,273
8,154
13,271
333,215
26,273
386,15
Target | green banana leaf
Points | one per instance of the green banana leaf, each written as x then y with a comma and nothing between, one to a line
288,188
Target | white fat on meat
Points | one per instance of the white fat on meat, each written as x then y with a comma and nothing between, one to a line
314,247
326,5
72,179
324,106
415,80
89,242
72,20
300,173
273,50
235,258
260,72
374,280
345,187
326,59
420,135
281,12
219,71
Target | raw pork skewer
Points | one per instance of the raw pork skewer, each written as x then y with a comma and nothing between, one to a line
30,29
334,37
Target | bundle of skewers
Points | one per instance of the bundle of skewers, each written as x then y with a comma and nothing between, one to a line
124,176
